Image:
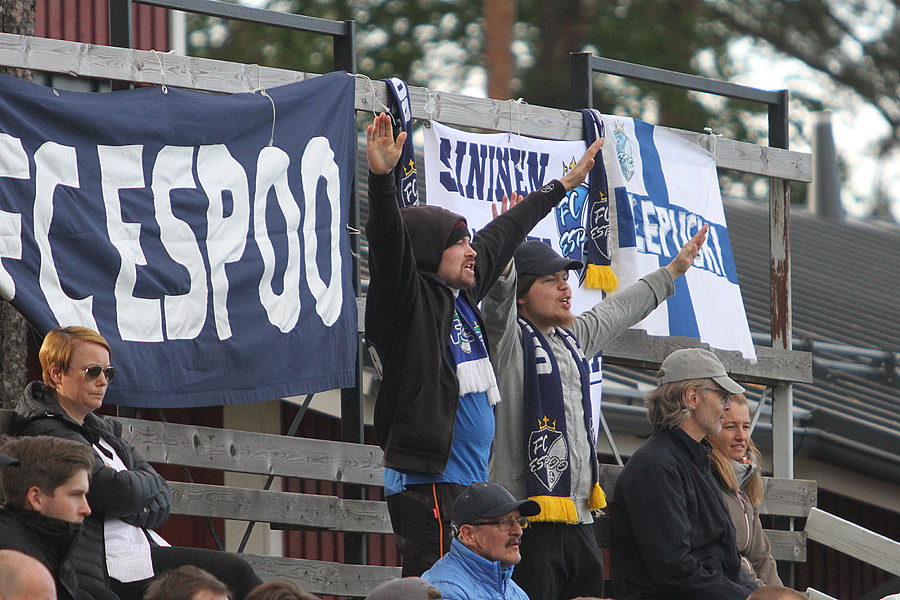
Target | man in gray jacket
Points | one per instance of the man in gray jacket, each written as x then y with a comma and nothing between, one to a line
543,444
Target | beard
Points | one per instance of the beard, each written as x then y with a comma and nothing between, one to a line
465,280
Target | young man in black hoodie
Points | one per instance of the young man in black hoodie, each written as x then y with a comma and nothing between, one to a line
45,503
434,410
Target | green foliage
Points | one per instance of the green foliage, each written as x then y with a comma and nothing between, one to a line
393,37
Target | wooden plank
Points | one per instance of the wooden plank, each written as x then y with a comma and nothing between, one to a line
103,62
786,545
753,158
783,497
635,348
250,452
286,509
854,540
319,577
788,497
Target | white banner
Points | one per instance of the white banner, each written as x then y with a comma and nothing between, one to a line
663,188
465,172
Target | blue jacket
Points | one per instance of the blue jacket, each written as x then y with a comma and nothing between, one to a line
463,575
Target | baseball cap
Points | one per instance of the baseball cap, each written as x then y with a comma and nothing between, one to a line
696,363
537,258
485,500
6,461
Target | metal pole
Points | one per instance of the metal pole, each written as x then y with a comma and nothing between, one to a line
120,32
781,311
780,276
581,78
345,49
352,421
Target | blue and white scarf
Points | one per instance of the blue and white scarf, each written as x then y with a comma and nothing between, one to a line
469,353
549,477
598,260
405,171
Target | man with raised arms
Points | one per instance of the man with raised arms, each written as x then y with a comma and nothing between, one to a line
434,411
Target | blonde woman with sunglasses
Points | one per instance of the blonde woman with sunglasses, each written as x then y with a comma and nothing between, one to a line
117,553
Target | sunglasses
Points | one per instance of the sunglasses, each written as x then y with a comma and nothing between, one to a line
93,372
724,395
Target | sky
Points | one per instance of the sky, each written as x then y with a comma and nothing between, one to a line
856,124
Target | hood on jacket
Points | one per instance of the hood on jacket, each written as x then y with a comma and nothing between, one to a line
432,229
36,402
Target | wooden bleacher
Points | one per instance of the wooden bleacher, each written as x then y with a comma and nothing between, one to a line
269,454
235,451
282,456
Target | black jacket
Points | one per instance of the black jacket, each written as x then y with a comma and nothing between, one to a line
671,535
49,540
409,313
138,496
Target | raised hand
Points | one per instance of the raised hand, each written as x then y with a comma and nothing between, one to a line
382,150
576,174
506,203
681,263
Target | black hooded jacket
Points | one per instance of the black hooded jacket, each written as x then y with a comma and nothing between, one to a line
49,540
409,312
138,495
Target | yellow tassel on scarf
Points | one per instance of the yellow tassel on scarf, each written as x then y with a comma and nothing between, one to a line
601,277
557,509
598,498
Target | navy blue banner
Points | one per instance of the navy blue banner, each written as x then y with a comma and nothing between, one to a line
204,236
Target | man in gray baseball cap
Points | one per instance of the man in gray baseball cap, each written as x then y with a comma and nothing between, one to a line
667,503
696,363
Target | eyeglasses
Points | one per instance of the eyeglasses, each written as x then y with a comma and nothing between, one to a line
506,524
93,372
724,395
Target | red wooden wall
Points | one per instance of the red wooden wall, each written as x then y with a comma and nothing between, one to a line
87,21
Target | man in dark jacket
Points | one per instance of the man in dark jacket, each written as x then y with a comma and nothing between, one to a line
434,411
46,501
671,535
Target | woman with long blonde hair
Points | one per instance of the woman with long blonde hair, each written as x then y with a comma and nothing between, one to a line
735,462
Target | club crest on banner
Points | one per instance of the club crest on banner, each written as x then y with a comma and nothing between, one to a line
623,151
548,453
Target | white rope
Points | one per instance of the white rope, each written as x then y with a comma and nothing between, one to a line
262,92
375,97
430,106
518,104
161,59
715,141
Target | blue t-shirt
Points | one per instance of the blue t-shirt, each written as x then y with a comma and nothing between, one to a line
473,429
